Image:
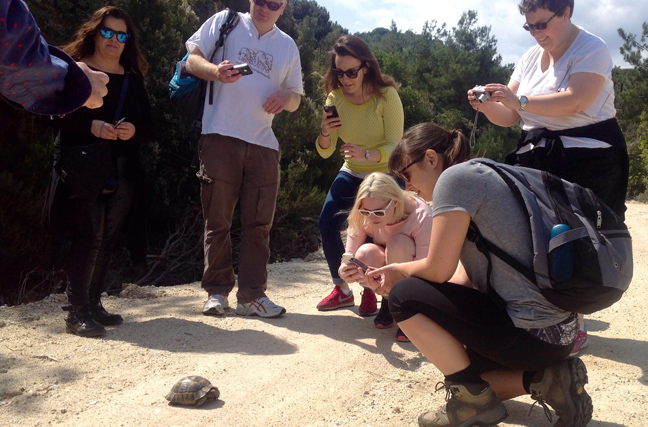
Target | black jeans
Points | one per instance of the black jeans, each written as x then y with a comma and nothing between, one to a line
96,222
474,319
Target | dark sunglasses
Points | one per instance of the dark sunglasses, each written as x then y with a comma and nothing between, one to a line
273,6
410,164
107,33
351,73
378,212
539,26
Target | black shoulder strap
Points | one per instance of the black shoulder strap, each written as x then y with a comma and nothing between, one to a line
227,27
122,97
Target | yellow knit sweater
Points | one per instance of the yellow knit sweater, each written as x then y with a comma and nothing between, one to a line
376,124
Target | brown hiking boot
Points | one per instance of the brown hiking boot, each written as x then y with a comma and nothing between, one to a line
563,388
464,409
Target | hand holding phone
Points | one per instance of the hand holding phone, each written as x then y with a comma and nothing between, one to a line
350,259
243,69
118,122
331,111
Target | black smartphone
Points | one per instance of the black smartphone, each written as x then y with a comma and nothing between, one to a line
331,109
243,69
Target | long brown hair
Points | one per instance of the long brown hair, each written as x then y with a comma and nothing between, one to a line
83,42
374,79
452,146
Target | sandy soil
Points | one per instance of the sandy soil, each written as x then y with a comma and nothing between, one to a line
305,368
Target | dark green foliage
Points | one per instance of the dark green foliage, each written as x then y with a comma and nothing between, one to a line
632,108
435,68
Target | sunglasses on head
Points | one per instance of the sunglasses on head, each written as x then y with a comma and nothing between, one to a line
351,73
107,33
273,6
378,213
539,26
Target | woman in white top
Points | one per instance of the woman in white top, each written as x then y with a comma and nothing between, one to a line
562,91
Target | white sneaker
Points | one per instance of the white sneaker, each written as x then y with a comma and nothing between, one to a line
261,307
216,304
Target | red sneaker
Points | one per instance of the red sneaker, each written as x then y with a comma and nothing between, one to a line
369,304
337,299
400,336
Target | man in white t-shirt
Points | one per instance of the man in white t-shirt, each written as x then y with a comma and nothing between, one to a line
238,151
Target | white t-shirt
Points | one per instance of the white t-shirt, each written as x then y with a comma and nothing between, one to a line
237,110
587,54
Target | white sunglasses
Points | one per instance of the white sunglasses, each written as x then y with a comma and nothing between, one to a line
378,212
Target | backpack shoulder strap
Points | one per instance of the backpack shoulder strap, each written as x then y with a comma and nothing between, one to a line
227,27
484,245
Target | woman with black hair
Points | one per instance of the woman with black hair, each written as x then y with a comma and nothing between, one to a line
107,43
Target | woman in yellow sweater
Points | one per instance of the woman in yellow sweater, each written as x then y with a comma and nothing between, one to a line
370,124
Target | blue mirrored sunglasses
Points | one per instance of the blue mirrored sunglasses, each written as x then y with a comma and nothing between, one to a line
107,33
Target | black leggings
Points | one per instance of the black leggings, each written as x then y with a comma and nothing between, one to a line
488,333
97,221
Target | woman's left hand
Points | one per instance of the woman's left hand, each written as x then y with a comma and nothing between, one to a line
504,95
352,152
125,131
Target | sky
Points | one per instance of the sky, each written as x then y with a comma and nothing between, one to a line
600,17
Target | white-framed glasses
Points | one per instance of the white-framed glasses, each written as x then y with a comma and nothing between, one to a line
378,213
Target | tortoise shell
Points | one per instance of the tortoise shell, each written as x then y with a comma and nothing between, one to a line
192,390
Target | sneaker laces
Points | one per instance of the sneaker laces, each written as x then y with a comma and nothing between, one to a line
540,400
443,385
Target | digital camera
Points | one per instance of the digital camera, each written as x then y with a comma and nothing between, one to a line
481,93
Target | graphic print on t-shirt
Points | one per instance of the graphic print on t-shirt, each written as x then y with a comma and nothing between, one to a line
260,62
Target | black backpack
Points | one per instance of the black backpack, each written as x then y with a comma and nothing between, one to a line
186,91
582,249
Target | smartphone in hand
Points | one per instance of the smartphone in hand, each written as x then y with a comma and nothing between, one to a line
350,259
331,109
243,69
118,122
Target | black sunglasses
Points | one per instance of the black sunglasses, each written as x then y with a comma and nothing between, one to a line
409,165
539,26
107,33
351,73
273,6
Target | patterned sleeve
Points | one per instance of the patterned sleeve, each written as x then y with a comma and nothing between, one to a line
40,78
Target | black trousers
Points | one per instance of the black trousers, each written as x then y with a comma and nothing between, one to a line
474,319
96,223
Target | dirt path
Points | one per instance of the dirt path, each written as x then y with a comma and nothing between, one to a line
306,368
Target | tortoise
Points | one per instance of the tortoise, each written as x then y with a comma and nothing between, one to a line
192,390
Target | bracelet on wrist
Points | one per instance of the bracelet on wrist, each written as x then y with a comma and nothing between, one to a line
325,136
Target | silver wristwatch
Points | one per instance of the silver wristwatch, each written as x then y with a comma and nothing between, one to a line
523,102
367,154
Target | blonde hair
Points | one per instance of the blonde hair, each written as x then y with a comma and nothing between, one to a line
381,186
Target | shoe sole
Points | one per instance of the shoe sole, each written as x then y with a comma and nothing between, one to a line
341,305
581,402
213,312
384,326
472,423
256,313
365,314
94,334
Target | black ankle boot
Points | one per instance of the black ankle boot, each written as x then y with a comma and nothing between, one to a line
79,322
100,315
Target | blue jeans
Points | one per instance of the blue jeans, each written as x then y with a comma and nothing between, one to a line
338,204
